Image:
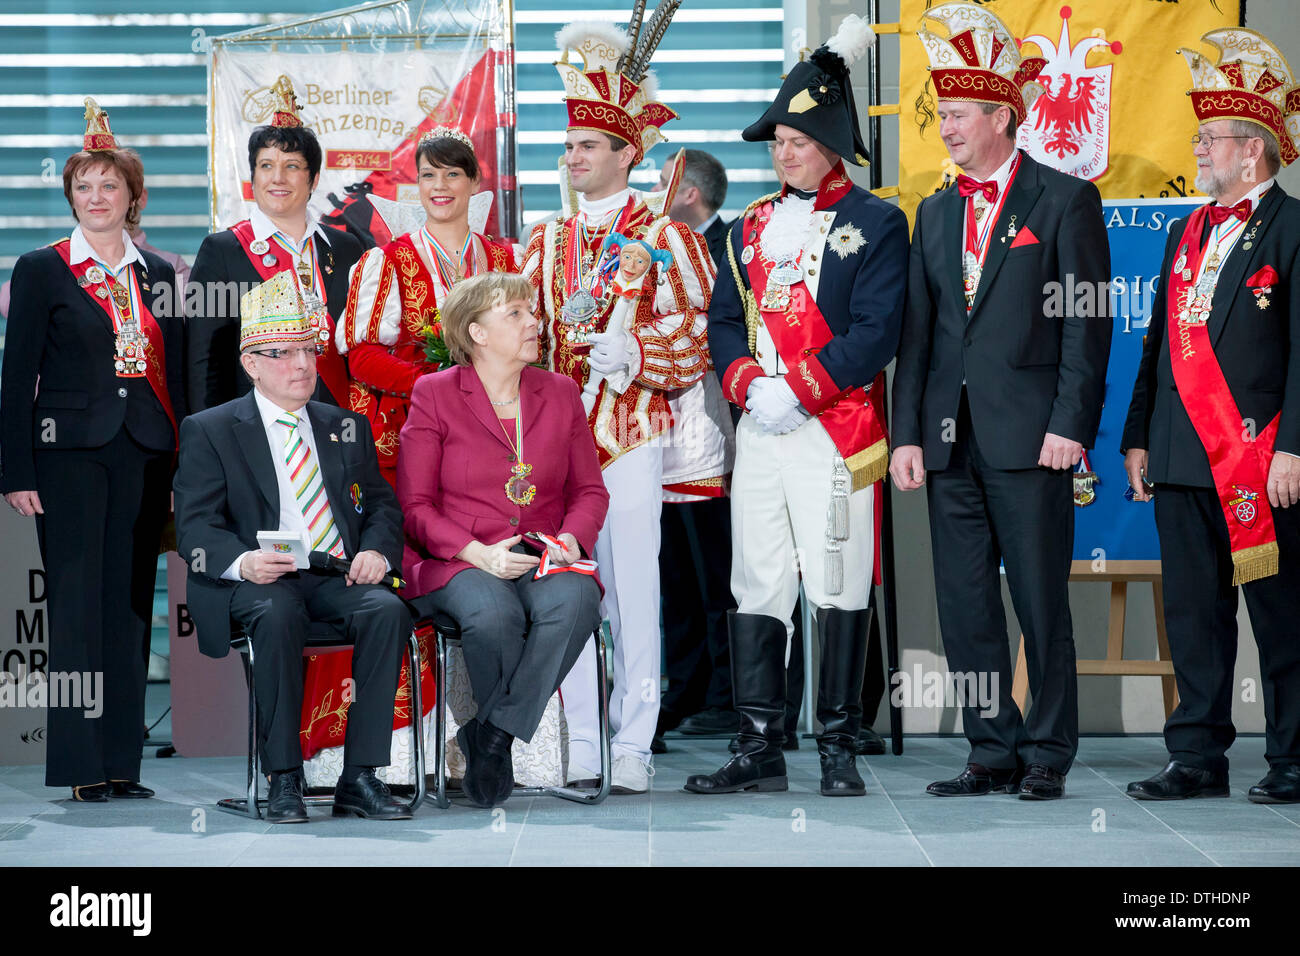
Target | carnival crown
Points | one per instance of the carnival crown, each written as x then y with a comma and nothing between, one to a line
446,132
1251,82
284,111
99,138
613,91
273,313
979,61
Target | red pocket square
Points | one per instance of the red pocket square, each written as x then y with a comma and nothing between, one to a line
1024,238
1266,276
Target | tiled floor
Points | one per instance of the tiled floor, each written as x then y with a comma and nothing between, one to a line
895,824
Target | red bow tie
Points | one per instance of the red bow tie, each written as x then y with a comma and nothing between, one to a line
1219,214
969,187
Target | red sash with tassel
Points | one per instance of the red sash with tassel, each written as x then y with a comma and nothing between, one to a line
1239,466
331,368
853,420
155,369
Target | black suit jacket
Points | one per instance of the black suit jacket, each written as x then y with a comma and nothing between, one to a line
226,492
222,273
715,237
1028,369
1256,349
59,332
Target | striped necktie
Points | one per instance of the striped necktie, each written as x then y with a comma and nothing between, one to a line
309,488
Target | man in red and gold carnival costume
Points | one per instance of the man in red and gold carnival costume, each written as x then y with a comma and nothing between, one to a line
1213,431
627,368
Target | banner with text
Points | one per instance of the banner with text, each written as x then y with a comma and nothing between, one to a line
368,109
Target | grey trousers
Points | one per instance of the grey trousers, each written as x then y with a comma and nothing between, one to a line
520,638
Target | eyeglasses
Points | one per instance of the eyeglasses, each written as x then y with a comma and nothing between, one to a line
311,350
1208,139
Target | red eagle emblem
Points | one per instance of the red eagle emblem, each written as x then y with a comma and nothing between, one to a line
1063,115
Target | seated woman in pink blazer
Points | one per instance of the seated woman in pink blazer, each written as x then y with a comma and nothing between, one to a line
498,479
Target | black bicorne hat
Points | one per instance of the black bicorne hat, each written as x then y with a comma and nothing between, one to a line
816,96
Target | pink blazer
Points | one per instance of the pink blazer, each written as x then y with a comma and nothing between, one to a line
454,460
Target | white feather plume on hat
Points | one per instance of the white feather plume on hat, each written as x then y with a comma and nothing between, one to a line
852,40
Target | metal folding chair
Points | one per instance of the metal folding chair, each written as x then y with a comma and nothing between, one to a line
321,639
447,631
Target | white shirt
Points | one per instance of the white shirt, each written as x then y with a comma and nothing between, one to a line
704,227
1000,176
79,251
291,516
598,210
1225,245
264,228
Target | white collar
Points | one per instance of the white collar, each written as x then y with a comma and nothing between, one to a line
1003,172
600,208
271,411
79,250
1254,195
707,224
264,228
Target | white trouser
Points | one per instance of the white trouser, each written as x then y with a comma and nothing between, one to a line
627,555
780,504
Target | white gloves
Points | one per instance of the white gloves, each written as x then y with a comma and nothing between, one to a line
772,403
609,352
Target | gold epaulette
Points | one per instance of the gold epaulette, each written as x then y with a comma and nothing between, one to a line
57,241
758,202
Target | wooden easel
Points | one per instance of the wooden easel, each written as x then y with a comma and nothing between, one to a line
1120,574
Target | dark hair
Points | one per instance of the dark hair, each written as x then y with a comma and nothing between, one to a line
449,153
125,161
287,139
617,143
1013,124
703,171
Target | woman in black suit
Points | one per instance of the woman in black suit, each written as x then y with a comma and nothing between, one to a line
90,399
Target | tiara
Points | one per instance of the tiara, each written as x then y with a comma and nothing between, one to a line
446,132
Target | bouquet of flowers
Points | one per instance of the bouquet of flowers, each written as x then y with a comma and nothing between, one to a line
435,349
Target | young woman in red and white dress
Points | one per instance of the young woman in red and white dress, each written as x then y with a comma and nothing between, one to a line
393,299
395,290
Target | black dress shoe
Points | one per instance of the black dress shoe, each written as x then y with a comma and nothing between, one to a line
975,781
712,721
1042,783
367,796
869,743
498,767
94,793
128,788
1280,785
657,745
489,774
1178,781
284,804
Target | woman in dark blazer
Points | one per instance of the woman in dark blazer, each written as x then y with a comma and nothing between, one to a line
91,396
495,452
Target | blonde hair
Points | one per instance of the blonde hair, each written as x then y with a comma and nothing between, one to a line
470,300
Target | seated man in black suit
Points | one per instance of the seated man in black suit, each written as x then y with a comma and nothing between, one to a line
273,460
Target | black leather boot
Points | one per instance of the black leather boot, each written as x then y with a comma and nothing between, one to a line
839,697
758,682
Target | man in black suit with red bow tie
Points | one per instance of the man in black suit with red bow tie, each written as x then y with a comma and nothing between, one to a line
996,396
1213,431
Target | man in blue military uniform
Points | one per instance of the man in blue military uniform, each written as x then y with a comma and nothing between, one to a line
805,315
